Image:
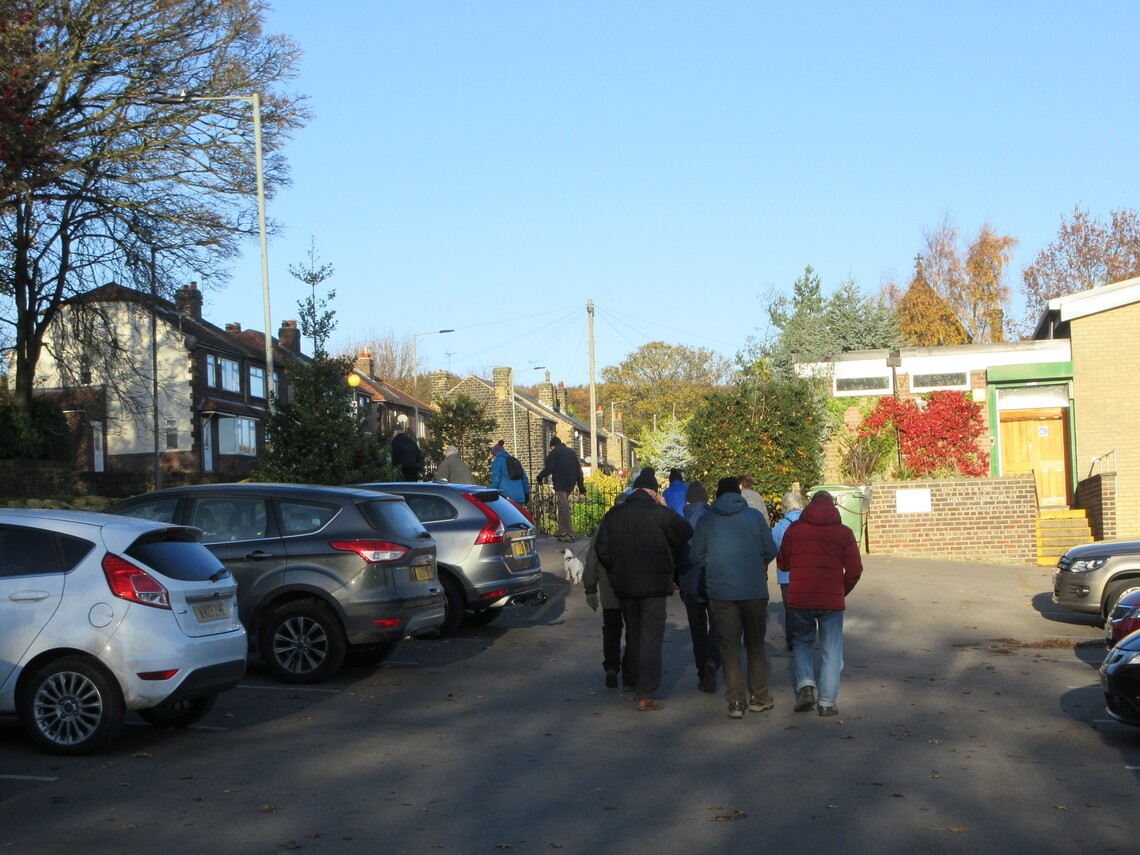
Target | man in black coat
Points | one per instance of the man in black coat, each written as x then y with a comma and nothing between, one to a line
565,471
407,455
636,543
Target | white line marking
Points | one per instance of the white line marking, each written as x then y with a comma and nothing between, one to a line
42,778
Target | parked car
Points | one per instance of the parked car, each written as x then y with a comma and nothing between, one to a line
1123,620
486,547
1120,680
1093,577
101,615
324,573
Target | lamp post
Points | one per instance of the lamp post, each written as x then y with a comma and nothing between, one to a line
416,376
254,101
154,363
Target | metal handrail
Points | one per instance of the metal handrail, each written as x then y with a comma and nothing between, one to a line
1095,467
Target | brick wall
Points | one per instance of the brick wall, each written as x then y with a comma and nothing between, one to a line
971,519
1105,366
1097,496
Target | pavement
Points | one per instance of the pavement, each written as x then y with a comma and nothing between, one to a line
970,721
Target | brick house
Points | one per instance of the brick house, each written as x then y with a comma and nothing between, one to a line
527,422
211,403
387,407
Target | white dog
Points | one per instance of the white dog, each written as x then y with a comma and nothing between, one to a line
573,566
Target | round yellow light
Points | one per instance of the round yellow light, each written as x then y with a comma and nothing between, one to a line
353,380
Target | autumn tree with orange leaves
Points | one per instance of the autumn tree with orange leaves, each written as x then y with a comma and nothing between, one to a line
925,318
973,282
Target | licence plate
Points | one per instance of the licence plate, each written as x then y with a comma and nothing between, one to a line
423,573
519,548
207,612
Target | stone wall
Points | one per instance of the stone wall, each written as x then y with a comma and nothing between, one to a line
23,479
969,519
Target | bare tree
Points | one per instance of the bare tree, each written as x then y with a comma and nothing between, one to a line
391,354
103,168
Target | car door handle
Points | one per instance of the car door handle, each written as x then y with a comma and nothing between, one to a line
28,596
258,555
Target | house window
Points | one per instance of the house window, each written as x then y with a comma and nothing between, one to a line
863,385
930,382
256,382
237,435
172,434
211,370
231,376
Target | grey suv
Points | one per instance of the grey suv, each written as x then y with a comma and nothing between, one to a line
1093,577
323,573
486,546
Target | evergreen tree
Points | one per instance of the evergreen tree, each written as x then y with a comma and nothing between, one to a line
463,423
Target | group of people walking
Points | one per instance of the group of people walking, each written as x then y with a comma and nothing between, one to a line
717,556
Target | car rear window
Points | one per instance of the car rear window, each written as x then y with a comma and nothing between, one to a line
392,515
176,555
158,510
431,508
304,517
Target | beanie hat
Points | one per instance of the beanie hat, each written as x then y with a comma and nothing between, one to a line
555,441
646,479
696,493
728,484
497,447
675,475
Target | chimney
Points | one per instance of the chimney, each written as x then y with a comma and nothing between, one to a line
188,301
363,365
560,397
233,329
546,392
289,337
438,385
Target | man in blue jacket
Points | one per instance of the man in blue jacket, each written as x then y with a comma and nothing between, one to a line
735,545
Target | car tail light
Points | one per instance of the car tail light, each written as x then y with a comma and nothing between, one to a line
494,595
372,551
493,531
158,675
522,509
387,623
134,584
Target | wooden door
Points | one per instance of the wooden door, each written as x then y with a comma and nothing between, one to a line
1037,441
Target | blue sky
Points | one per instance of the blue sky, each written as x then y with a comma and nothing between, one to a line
490,166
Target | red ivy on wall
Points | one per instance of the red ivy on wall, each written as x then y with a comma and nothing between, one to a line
940,437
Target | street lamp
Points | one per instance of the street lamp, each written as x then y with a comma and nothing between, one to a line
416,376
154,363
253,100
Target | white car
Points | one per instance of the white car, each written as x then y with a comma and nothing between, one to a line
102,614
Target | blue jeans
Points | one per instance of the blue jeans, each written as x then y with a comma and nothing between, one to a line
804,624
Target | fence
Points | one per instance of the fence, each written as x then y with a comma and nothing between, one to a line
587,510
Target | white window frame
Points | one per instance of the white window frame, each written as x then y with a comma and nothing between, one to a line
211,371
237,435
171,431
231,375
257,381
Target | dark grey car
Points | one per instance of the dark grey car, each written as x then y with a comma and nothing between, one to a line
486,547
323,573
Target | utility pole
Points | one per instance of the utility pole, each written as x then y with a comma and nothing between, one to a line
593,392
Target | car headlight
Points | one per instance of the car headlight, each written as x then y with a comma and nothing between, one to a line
1087,564
1133,659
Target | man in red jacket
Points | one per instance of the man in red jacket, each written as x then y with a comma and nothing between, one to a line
822,559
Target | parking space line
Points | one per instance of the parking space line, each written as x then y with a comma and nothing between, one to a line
39,778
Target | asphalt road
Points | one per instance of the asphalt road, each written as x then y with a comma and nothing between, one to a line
970,721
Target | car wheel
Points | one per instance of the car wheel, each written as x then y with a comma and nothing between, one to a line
179,714
302,642
456,603
370,654
483,616
1120,589
72,706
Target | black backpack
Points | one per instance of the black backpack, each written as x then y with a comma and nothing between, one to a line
514,468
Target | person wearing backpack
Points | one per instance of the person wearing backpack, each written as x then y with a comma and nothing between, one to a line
508,475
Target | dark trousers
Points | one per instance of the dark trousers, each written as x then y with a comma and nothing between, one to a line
700,631
733,619
612,658
645,624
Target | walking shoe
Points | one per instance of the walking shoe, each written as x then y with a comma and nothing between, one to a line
611,679
831,709
627,688
756,704
707,681
649,705
805,699
736,710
